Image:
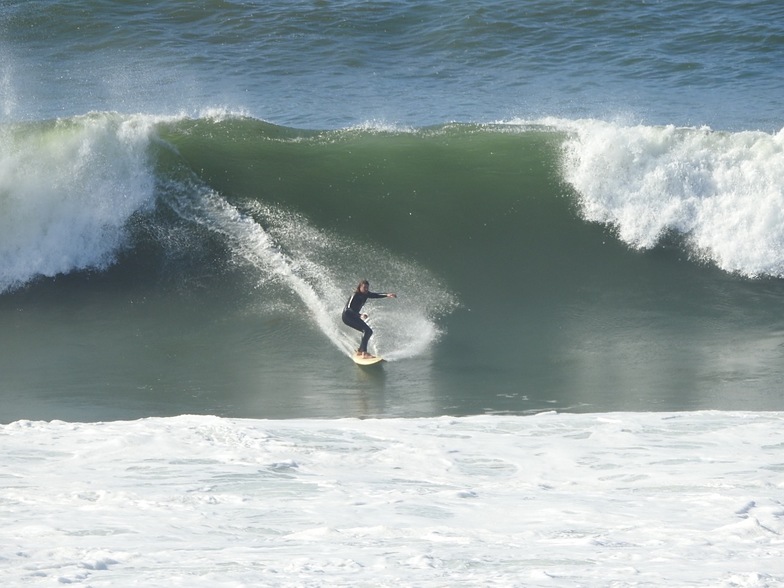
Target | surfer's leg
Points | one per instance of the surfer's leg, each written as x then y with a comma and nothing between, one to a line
367,332
355,322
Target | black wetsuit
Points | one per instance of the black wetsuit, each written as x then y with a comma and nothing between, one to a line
352,316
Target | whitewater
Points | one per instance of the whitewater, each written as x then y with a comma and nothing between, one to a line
620,499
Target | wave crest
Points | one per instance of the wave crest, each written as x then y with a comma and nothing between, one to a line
67,191
723,191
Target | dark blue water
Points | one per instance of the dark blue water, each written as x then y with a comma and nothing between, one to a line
331,64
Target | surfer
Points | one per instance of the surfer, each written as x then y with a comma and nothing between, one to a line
355,319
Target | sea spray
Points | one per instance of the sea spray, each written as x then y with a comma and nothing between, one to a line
723,191
281,247
67,191
249,241
331,262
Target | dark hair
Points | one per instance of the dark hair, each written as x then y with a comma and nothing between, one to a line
361,282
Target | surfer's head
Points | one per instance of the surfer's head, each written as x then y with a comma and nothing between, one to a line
363,286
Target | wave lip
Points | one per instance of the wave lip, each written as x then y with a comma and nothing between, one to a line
724,192
67,191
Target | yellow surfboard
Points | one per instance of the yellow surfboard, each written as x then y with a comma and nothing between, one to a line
367,360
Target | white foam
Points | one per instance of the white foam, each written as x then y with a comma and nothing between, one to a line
67,191
382,126
723,191
7,90
686,499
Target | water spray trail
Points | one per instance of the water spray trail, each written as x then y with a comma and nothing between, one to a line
253,244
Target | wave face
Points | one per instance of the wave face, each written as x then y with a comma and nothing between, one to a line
570,263
71,186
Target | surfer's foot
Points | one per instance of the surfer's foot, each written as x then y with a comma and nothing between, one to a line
364,354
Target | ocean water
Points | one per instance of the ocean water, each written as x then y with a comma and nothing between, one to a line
579,205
